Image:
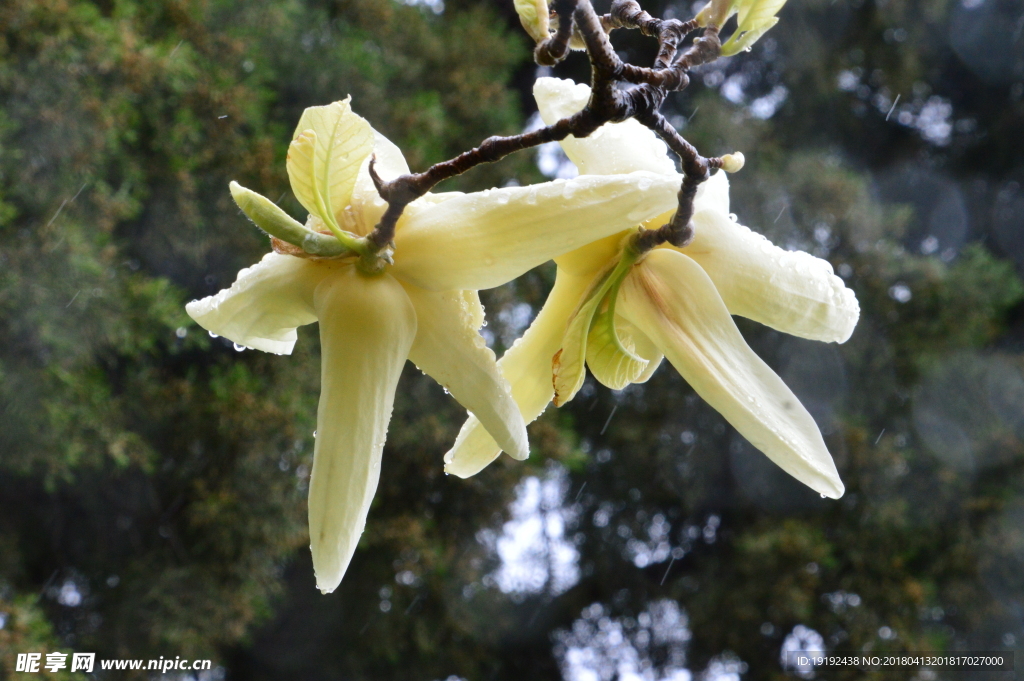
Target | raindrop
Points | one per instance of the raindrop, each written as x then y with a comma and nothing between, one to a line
213,335
239,348
314,433
823,496
734,217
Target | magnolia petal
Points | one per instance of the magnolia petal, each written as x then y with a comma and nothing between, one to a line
450,349
612,149
367,207
533,14
300,165
491,237
367,325
568,365
671,299
738,43
713,194
642,346
752,15
265,305
343,141
527,367
790,291
611,357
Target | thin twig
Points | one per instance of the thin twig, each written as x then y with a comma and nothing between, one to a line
609,103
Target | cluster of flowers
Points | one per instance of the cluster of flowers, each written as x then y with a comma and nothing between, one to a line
615,310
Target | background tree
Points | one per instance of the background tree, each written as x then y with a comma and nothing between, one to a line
152,479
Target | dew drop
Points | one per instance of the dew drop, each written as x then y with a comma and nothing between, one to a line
314,433
213,335
239,348
644,184
823,496
734,217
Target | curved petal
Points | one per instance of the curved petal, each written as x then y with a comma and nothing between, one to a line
642,346
481,240
343,140
612,149
790,291
301,166
611,356
713,194
367,325
450,349
265,305
527,367
568,365
367,207
671,299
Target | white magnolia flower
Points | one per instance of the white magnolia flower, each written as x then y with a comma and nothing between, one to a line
423,307
677,303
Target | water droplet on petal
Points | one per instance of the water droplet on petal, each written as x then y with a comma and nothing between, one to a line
239,348
314,433
823,496
213,335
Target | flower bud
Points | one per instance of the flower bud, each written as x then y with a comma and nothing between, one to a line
754,20
733,163
716,13
269,217
533,14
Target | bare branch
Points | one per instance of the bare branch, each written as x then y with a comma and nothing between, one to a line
608,103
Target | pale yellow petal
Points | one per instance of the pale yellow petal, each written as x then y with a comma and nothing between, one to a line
671,299
527,367
713,194
533,14
568,365
450,349
593,257
300,165
614,148
367,207
481,240
367,325
611,356
265,305
790,291
642,345
343,141
755,14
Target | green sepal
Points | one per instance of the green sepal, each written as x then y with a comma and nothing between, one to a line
272,219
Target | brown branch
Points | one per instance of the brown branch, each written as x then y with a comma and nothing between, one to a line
608,103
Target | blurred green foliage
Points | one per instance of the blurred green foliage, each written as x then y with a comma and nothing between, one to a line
159,477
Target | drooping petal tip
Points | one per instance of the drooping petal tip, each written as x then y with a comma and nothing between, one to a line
367,326
673,301
265,305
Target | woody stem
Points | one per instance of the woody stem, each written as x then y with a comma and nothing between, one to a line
609,103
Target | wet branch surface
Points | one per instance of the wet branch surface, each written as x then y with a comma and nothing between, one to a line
579,25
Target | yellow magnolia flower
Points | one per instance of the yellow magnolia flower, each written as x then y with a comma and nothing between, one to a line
422,306
754,18
620,313
533,15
